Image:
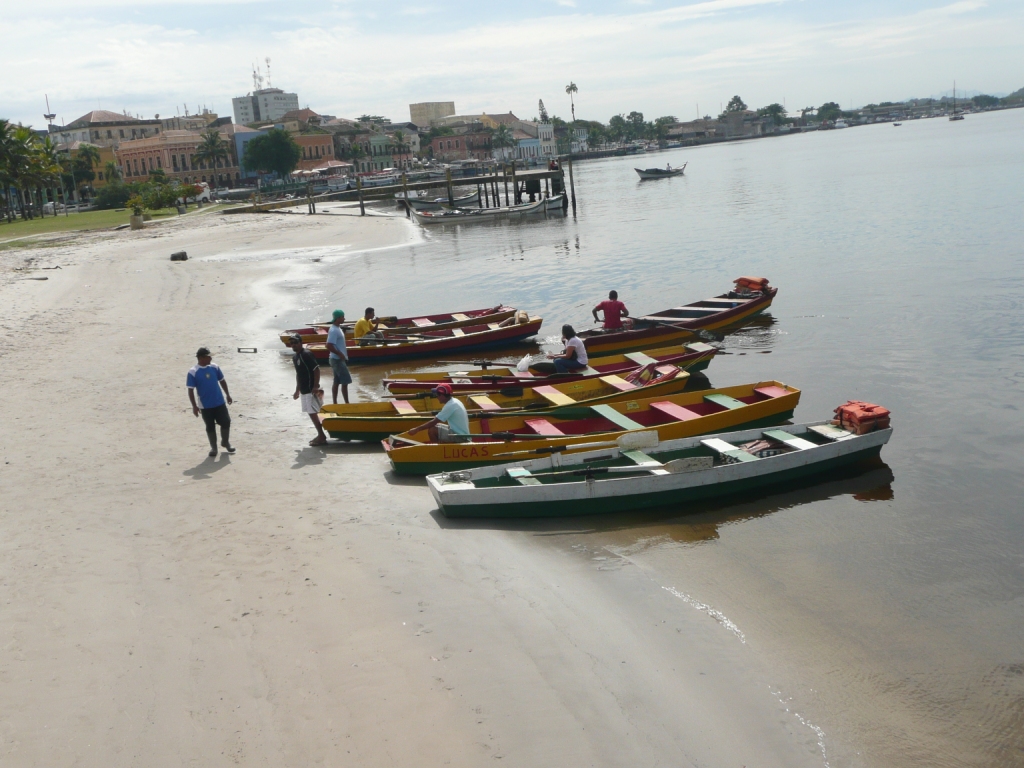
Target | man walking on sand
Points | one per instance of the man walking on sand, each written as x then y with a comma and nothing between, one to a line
207,380
339,356
307,386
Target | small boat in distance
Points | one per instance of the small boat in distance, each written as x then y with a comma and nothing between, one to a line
438,202
659,173
956,115
896,125
463,215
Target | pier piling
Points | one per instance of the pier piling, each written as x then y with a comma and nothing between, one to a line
572,188
359,188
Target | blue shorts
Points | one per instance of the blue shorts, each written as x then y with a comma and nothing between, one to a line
341,374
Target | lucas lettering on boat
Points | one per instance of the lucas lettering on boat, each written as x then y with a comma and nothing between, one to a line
464,452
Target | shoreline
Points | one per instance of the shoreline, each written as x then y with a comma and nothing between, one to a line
298,605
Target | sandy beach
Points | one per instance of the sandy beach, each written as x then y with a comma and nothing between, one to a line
298,606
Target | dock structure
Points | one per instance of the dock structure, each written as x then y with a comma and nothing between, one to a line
538,182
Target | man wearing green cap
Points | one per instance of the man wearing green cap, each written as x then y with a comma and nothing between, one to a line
339,356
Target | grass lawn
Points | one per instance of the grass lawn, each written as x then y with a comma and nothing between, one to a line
80,221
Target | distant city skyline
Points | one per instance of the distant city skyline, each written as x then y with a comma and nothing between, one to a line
654,56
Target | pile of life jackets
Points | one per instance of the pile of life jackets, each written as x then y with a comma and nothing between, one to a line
860,417
751,284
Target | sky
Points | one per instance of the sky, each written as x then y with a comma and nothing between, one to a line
349,58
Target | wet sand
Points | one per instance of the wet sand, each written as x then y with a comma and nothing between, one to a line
290,605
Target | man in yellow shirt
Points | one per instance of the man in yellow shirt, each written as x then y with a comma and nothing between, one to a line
368,326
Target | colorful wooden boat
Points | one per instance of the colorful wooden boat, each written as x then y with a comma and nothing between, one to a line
615,479
377,420
674,325
513,438
316,333
434,342
691,357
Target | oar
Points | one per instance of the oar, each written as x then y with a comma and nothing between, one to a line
701,333
507,392
627,442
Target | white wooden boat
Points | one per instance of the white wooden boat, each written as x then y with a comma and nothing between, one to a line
555,203
659,173
464,215
441,202
620,477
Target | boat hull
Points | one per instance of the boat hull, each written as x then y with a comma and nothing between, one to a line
676,332
682,489
431,458
429,347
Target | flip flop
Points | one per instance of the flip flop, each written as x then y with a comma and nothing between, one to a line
317,441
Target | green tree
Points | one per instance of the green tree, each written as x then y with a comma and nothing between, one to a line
213,151
88,156
984,100
273,152
735,105
774,111
829,111
572,90
502,139
112,171
543,111
618,129
635,125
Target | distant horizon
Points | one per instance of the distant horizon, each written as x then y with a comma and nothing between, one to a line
654,56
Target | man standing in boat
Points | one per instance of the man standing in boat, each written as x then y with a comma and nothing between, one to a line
614,310
336,345
451,425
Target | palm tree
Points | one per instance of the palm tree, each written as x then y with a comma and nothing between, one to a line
572,89
502,138
112,170
212,149
88,155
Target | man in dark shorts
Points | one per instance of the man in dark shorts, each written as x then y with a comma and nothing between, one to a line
307,386
338,348
614,310
206,381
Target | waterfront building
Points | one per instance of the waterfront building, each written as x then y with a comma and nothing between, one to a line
426,112
546,136
263,105
693,129
527,147
100,169
410,135
473,145
173,152
198,122
104,129
317,148
580,140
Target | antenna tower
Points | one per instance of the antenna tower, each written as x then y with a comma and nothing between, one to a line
268,72
49,115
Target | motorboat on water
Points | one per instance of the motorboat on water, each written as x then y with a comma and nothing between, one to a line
659,173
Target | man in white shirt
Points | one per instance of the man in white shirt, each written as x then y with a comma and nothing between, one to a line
336,345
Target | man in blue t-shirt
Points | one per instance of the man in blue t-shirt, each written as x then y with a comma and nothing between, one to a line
205,381
336,345
451,424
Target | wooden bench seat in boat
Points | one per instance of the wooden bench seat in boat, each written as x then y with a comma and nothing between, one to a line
461,380
666,369
729,450
700,346
791,440
522,374
588,371
677,412
460,317
641,459
522,475
458,332
639,358
553,396
404,407
619,383
730,302
493,326
693,308
484,402
422,322
543,427
620,420
771,391
725,401
830,432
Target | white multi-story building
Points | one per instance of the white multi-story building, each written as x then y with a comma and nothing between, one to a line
546,134
263,105
426,112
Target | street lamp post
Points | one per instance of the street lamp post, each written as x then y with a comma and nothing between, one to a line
71,165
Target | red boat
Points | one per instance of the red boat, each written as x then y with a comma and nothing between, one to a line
433,343
692,357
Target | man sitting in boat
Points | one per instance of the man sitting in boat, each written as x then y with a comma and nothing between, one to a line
574,358
451,425
368,327
614,310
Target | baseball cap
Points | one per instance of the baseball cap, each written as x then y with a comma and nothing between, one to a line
443,388
293,338
203,352
338,313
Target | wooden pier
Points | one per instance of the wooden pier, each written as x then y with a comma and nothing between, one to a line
515,184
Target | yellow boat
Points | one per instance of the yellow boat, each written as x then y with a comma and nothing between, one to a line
514,438
377,420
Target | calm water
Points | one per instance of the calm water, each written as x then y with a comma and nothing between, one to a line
890,601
